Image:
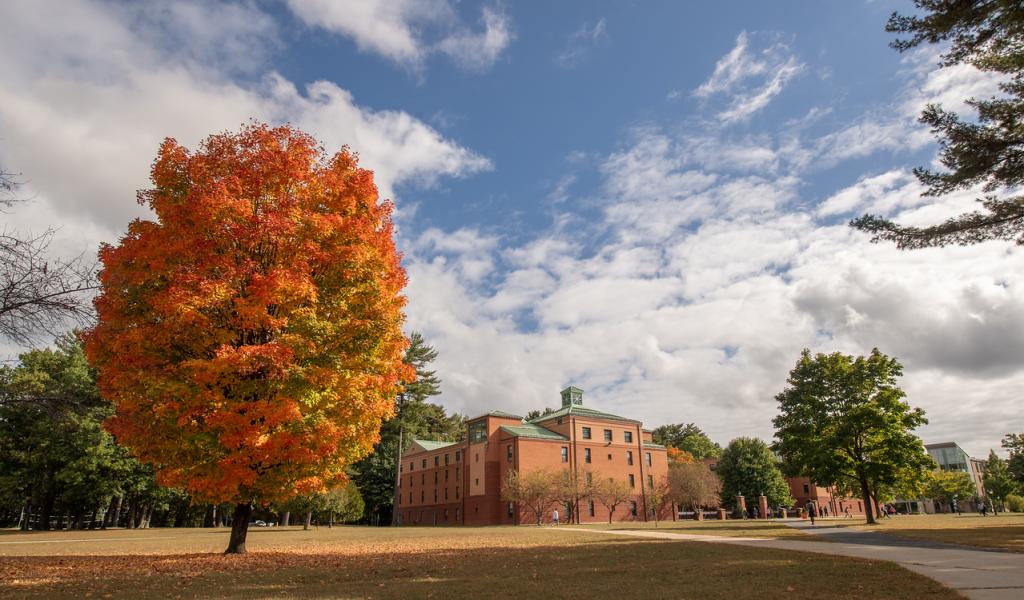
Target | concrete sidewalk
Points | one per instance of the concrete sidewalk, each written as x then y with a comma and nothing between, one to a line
977,574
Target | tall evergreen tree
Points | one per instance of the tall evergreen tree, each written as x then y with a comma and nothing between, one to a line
842,421
990,151
415,418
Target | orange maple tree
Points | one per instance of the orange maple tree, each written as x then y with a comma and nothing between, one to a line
250,336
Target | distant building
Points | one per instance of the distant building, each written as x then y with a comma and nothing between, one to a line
949,456
459,483
828,501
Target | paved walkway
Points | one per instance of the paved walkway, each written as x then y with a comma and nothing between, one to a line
977,574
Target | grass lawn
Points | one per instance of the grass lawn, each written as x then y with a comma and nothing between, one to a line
1005,531
355,562
729,528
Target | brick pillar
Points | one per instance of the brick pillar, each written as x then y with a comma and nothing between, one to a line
741,505
762,506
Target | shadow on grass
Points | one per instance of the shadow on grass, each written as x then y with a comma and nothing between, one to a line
590,569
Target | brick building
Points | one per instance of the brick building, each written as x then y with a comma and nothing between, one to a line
459,483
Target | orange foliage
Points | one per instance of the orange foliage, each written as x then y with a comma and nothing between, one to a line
250,337
678,457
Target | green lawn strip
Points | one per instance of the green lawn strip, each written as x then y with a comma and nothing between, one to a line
484,562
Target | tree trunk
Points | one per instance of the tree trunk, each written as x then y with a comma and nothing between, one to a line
117,511
286,518
309,519
47,509
866,494
214,520
239,529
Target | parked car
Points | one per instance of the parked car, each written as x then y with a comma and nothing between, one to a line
258,524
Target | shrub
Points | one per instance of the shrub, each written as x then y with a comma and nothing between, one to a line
1015,503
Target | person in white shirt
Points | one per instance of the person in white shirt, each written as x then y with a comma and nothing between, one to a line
554,517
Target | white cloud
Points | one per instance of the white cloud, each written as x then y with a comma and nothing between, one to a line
581,42
408,31
478,51
750,79
88,92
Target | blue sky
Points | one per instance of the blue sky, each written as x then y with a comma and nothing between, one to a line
647,200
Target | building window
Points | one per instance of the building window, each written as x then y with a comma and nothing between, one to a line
476,481
437,461
412,466
458,455
435,477
586,433
629,436
607,435
445,493
446,474
609,456
559,420
511,509
412,481
590,506
446,460
410,497
565,454
435,496
478,432
632,481
629,457
457,469
590,478
423,478
458,513
632,507
476,457
446,514
423,496
648,457
508,452
424,463
456,494
807,489
650,481
401,468
586,455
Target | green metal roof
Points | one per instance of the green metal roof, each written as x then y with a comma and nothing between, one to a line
432,445
530,430
575,410
496,413
651,445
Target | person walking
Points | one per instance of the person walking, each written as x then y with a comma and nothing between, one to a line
811,512
554,518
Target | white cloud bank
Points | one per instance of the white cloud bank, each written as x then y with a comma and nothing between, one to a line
712,268
89,90
407,32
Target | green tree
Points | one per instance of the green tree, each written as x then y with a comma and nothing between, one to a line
1014,443
536,414
987,152
842,420
689,438
947,486
415,418
749,467
998,480
55,456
